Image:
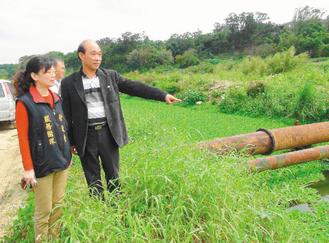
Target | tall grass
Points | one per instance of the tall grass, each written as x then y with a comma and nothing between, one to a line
284,76
173,192
278,63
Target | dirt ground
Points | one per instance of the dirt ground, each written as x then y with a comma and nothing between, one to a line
12,197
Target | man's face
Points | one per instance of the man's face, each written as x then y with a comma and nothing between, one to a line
92,57
60,70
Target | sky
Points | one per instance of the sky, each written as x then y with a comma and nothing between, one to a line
38,26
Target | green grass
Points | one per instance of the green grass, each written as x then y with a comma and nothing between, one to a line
284,88
174,192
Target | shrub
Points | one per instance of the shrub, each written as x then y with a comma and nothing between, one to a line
255,88
169,86
213,61
148,57
253,65
189,58
306,104
284,61
258,102
325,66
262,50
190,96
234,101
324,50
218,90
279,63
202,68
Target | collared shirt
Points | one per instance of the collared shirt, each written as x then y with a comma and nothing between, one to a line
94,99
56,87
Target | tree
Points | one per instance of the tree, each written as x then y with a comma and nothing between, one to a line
7,71
72,62
148,57
178,44
189,58
326,23
311,35
307,13
106,42
115,52
56,54
249,29
220,39
307,33
22,61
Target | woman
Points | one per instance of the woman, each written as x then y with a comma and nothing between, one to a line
43,143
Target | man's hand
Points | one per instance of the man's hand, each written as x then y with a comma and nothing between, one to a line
74,150
170,99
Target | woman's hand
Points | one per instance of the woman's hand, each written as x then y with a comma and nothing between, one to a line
29,177
74,150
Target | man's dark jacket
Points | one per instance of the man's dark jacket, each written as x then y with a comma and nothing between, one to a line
111,83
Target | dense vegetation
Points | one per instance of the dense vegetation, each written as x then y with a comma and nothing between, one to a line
280,85
246,33
173,192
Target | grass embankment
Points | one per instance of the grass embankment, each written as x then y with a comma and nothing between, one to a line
175,192
283,85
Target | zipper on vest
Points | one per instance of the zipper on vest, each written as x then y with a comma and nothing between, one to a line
59,135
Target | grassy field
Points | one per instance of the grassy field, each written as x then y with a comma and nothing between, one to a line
285,86
173,192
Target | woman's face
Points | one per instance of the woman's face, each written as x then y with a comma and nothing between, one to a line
45,78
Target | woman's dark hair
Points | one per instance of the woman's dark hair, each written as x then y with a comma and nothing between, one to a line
23,80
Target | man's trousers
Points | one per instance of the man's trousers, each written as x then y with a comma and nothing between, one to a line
100,148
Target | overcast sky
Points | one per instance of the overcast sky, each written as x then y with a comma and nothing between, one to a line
38,26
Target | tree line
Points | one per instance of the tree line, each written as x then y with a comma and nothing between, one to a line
241,34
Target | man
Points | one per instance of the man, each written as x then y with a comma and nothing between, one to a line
60,72
92,109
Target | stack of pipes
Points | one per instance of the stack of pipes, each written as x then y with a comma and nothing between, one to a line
266,141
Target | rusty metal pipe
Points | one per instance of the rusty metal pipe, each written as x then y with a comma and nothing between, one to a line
266,141
301,135
252,143
288,159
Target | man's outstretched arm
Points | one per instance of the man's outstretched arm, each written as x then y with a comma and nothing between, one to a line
136,88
